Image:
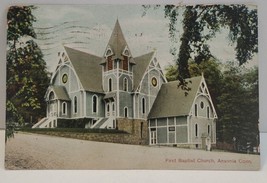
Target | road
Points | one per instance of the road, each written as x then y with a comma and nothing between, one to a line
32,151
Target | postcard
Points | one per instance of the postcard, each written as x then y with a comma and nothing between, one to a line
108,87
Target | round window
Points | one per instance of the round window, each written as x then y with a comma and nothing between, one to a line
154,82
202,105
64,78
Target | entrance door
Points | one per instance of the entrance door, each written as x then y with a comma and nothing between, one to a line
153,136
110,109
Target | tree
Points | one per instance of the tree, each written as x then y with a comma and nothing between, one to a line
27,78
201,23
239,104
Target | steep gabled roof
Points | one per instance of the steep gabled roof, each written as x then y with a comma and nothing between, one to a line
87,68
172,101
60,92
142,63
117,41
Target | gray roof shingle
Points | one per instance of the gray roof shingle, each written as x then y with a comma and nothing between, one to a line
139,69
117,41
172,101
87,68
60,92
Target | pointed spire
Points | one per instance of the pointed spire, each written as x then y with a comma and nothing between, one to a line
117,42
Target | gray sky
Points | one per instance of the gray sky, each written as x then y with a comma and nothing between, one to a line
88,28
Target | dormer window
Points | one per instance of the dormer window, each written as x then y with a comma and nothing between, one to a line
126,51
108,52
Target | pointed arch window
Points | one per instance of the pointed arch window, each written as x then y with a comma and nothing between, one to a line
113,107
51,95
196,130
143,105
64,108
208,129
108,107
195,109
75,104
125,84
208,112
95,103
125,112
110,85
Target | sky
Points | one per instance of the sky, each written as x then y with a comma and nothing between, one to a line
88,28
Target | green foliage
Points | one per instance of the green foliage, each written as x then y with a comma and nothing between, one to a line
239,106
171,73
20,22
27,78
202,22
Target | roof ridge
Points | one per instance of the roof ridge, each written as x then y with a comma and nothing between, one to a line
81,51
144,54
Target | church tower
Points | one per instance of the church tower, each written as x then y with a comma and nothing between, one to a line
117,70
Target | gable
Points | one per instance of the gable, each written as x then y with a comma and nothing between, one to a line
60,93
142,63
87,68
172,101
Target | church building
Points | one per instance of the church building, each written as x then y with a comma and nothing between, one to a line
118,90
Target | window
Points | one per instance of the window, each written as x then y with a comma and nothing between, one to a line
113,106
208,112
108,108
154,81
125,63
202,105
125,84
196,130
208,129
64,108
172,129
64,78
125,112
75,107
110,63
195,109
94,104
143,105
51,96
110,85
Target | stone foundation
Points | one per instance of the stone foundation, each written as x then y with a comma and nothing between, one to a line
137,129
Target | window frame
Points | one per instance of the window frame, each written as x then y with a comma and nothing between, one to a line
64,108
125,112
110,85
94,104
75,104
143,103
125,84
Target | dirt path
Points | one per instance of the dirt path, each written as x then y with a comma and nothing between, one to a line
31,151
